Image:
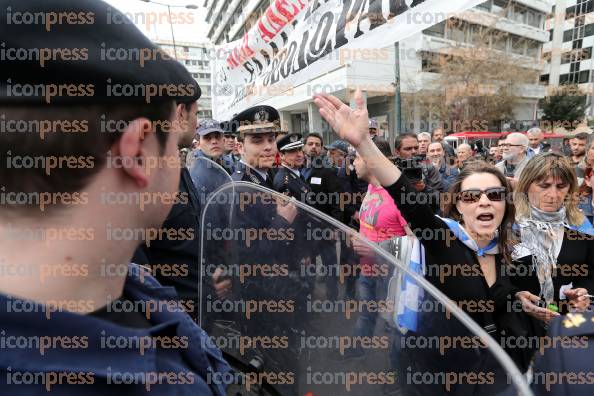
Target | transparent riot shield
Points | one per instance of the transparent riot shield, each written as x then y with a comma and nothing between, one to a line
208,176
302,305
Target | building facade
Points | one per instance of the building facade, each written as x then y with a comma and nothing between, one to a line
196,57
515,30
521,21
568,54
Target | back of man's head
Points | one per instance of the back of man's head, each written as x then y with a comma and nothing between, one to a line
70,121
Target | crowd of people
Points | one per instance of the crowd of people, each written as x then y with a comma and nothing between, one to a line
519,204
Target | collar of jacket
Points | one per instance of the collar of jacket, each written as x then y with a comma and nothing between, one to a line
96,358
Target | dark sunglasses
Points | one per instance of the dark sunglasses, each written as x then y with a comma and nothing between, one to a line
495,194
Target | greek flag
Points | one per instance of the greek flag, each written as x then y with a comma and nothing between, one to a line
410,293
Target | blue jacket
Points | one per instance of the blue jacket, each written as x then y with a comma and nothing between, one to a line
99,363
448,175
585,206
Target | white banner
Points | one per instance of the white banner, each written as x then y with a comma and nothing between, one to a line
298,40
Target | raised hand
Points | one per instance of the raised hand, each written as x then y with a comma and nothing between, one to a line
350,124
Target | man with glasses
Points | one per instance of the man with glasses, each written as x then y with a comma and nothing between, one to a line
514,156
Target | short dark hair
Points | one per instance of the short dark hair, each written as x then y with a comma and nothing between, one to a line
581,136
437,129
400,138
77,131
316,135
384,146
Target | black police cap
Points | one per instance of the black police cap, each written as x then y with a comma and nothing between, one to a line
257,119
292,141
85,40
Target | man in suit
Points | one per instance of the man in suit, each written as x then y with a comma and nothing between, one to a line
326,189
323,181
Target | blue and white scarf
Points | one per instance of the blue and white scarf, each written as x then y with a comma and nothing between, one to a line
410,293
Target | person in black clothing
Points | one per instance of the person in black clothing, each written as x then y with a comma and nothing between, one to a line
554,259
326,190
319,174
475,238
180,255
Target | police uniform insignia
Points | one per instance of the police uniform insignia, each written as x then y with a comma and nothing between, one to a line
254,179
573,320
261,115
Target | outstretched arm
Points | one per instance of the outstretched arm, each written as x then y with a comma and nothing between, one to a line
353,126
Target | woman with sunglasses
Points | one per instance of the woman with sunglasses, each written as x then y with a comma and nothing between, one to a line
475,236
553,268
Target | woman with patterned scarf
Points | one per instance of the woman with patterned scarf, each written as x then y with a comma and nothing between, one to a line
553,269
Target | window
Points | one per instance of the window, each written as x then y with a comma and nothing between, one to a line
456,30
532,48
518,13
499,41
584,77
478,35
436,30
500,7
518,45
534,18
429,62
589,30
544,78
486,6
563,79
567,35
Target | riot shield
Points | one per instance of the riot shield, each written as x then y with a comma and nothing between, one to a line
302,305
207,176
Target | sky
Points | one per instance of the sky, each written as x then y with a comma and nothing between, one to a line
188,25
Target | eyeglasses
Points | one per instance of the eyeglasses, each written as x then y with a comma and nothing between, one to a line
504,145
495,194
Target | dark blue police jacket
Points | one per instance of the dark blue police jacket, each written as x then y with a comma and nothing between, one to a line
85,355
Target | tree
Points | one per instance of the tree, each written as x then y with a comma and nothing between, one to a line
477,83
566,105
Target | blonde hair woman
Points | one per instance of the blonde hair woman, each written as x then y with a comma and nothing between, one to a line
554,259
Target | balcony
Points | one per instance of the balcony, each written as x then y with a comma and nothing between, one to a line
504,24
540,5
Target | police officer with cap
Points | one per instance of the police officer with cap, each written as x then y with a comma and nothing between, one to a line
373,128
230,154
288,179
212,141
123,117
256,128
